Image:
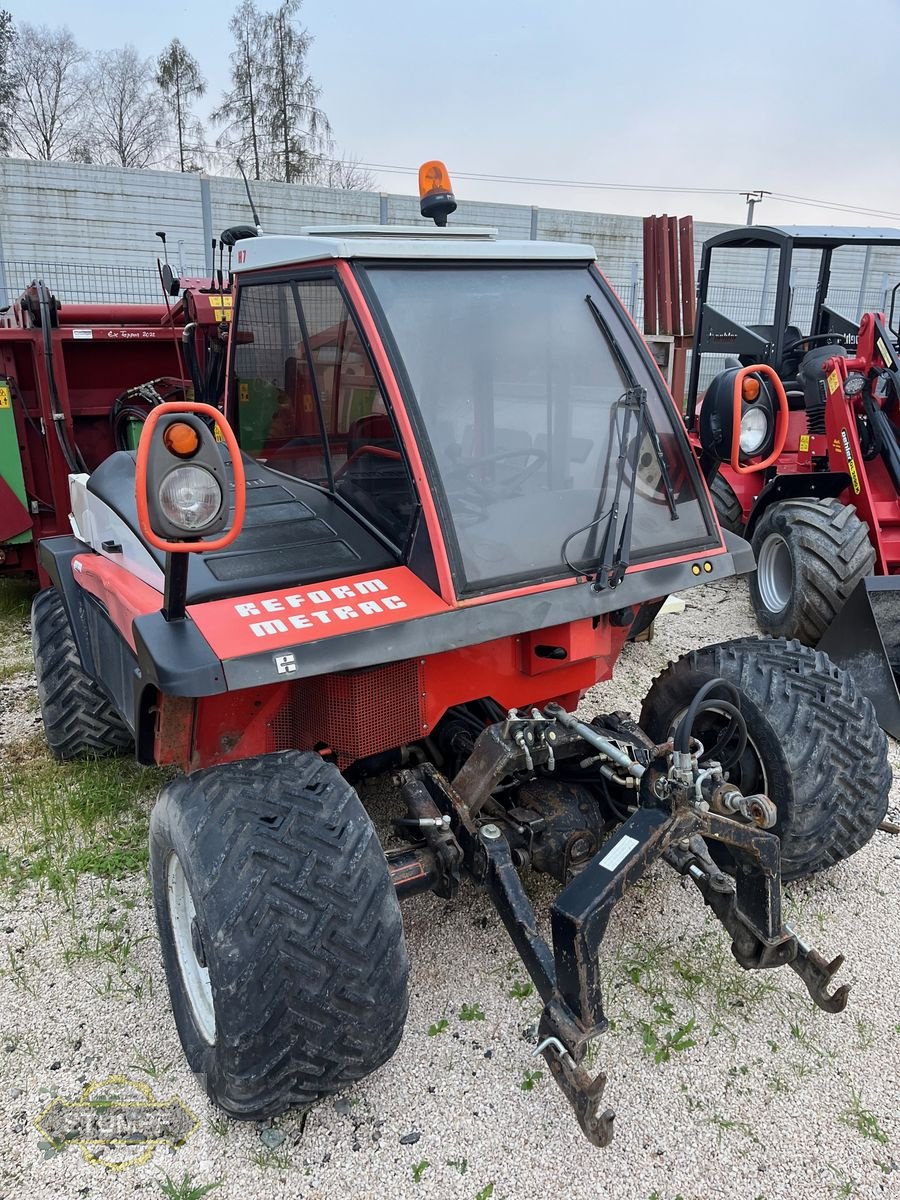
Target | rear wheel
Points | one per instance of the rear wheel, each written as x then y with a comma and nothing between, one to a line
814,744
280,929
727,506
810,555
79,720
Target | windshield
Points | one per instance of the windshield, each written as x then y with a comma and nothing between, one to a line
520,395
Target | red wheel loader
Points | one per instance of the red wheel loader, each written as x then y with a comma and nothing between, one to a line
798,435
448,483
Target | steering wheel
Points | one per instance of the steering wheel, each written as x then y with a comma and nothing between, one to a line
838,339
462,469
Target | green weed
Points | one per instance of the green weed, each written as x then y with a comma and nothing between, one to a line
471,1012
186,1189
521,990
531,1078
438,1027
863,1120
419,1169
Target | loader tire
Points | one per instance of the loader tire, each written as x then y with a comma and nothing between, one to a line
810,555
727,506
814,744
79,720
280,929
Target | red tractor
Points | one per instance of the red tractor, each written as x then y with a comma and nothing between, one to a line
805,462
448,483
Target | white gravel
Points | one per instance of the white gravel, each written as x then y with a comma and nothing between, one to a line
761,1107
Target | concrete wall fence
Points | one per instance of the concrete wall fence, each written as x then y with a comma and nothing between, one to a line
89,232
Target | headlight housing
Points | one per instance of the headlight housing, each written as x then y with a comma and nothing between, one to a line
754,430
190,497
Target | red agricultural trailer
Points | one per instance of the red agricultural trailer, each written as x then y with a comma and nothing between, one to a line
76,382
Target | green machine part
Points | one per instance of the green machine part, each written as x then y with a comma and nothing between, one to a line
10,456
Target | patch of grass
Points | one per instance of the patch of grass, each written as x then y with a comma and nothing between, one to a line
472,1012
15,603
15,666
74,819
459,1164
863,1120
486,1192
220,1126
419,1169
186,1189
521,990
275,1160
438,1027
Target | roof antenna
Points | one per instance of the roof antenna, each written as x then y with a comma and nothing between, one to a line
240,167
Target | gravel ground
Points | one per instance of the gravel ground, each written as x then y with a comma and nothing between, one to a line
773,1099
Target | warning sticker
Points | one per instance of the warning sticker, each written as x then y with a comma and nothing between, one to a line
834,382
5,397
804,442
851,465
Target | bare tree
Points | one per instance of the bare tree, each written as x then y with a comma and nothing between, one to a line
344,173
128,115
51,87
7,89
298,128
241,108
180,79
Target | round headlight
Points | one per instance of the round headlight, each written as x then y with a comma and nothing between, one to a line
191,498
754,430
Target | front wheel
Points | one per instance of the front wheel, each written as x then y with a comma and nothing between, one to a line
814,745
280,929
810,555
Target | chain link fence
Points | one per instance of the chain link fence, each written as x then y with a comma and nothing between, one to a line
80,283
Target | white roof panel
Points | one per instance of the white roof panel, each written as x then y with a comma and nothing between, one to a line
400,242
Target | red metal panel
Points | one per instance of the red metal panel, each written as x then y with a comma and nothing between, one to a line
651,307
663,275
672,255
688,283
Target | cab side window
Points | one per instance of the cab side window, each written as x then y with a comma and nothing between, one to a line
309,403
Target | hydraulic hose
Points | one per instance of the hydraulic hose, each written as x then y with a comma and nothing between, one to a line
686,725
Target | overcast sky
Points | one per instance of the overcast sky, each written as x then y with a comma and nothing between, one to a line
793,96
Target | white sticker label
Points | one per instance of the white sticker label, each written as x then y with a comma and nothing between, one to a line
618,853
83,335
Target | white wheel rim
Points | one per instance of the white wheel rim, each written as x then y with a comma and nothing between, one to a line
194,975
775,573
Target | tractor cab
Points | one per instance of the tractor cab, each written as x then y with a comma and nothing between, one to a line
462,399
797,309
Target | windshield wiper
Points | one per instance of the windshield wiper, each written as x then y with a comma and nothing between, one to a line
646,419
614,557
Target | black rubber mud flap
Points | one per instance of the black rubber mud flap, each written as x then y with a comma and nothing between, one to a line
864,639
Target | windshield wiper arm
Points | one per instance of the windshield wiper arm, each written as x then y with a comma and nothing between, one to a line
615,558
645,417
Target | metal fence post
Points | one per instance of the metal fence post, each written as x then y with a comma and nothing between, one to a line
206,207
4,294
534,223
861,302
632,306
767,277
383,209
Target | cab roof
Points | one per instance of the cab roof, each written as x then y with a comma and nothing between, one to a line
398,242
805,237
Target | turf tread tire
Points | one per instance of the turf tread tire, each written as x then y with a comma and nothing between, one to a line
727,506
301,926
825,754
79,719
831,552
